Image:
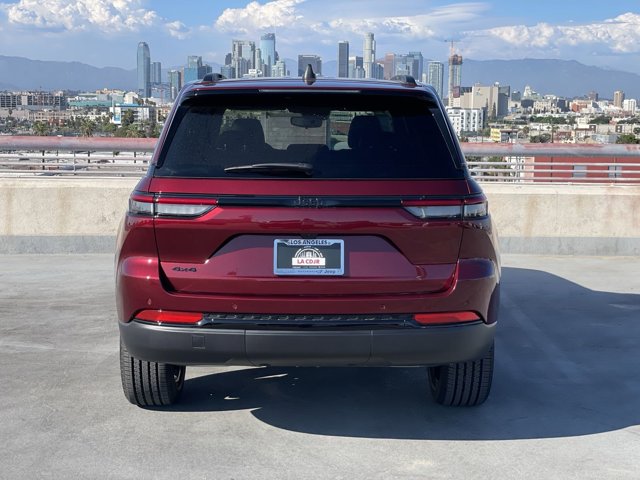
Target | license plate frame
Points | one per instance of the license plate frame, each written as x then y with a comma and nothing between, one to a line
299,256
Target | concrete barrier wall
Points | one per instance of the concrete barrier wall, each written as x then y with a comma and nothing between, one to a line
566,219
82,215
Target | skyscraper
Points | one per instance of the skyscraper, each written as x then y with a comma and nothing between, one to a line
389,66
227,71
243,56
156,72
355,67
144,70
435,76
343,59
417,64
618,98
194,61
268,52
455,77
402,64
194,70
175,82
279,69
369,55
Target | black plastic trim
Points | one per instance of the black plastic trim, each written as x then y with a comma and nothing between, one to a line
317,201
433,345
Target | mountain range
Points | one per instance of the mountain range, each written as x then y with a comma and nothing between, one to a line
566,78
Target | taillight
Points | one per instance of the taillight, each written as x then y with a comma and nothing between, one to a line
447,210
435,212
445,318
169,316
476,210
149,205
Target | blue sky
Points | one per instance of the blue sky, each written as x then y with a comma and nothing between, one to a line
106,32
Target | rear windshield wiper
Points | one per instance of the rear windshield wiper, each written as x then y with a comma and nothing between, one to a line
275,169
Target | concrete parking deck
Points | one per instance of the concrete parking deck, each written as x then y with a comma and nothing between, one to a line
565,402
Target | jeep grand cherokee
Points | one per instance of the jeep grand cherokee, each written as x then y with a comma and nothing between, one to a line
327,222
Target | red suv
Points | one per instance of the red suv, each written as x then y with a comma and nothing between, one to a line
291,222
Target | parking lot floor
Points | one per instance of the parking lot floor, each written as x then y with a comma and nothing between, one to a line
565,402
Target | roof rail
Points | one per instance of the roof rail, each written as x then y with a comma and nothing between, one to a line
405,79
213,78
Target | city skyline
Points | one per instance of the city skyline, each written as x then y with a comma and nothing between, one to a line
79,30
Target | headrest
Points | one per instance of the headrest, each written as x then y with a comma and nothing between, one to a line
251,127
364,131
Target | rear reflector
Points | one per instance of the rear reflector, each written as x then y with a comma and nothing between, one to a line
445,318
168,316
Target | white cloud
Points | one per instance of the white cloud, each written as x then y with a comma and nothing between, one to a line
415,27
178,30
619,35
105,15
301,22
256,17
420,26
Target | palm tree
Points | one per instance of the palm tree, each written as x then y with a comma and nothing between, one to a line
41,129
87,127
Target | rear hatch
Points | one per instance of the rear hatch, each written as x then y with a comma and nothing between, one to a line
315,195
234,248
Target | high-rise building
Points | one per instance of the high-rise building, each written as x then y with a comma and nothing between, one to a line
389,66
343,59
227,71
630,105
144,70
156,72
268,52
455,78
314,60
175,82
618,98
403,64
194,61
356,70
243,56
194,70
279,69
369,55
377,70
435,76
417,64
494,99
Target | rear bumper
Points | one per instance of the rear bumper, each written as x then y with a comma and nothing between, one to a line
432,345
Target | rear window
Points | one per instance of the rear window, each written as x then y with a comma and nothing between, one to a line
318,136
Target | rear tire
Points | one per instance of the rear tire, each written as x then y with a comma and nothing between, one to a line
463,384
150,384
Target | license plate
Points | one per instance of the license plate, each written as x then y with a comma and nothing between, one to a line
296,256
